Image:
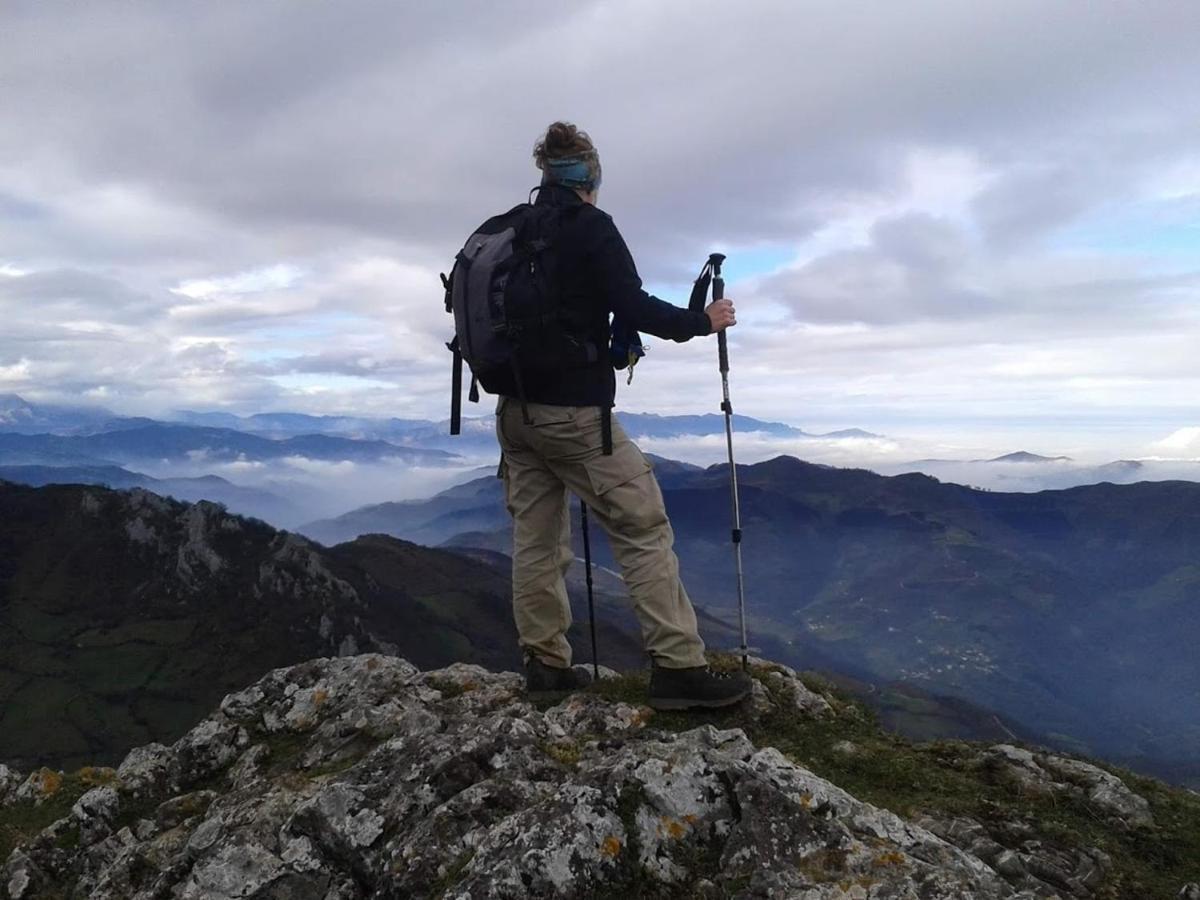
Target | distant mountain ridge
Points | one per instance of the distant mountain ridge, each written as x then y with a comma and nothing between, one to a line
294,439
1024,456
18,415
161,441
204,487
1031,472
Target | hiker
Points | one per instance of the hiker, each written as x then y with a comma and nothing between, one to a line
558,436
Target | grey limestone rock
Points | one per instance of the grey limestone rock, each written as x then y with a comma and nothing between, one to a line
1048,774
356,777
145,770
96,812
196,557
1027,865
20,876
800,696
10,779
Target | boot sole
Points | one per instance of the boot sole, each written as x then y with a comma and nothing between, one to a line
671,703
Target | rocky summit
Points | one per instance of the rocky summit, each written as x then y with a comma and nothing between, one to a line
364,776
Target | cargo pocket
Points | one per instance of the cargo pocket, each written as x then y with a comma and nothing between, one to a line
557,434
608,472
544,415
627,491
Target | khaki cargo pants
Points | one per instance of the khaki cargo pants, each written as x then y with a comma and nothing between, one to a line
560,452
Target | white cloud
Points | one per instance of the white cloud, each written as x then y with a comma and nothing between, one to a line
276,277
18,373
255,214
341,468
1181,444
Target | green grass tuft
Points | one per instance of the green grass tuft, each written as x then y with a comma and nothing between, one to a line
448,688
20,822
453,874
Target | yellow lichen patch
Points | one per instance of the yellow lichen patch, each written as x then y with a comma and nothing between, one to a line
891,858
673,827
822,866
48,781
469,686
319,696
564,751
611,847
855,888
806,800
96,776
642,716
372,663
690,819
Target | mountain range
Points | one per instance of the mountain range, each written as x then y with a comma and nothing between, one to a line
123,614
285,468
1031,472
192,443
137,442
17,414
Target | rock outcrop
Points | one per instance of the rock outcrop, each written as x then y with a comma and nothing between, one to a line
364,777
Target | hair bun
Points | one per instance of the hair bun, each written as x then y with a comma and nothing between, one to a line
562,139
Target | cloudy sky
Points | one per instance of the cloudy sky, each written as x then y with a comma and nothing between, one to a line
971,223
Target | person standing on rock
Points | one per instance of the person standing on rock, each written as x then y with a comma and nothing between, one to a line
557,436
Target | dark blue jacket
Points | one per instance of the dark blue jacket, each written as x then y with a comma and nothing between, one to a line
598,278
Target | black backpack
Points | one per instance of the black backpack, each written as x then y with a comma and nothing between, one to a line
509,318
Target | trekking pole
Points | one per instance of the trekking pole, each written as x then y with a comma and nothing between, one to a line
587,563
712,272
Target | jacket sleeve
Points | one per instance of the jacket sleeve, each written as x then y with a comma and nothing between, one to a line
623,294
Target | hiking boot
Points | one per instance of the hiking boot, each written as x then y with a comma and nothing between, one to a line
542,680
697,687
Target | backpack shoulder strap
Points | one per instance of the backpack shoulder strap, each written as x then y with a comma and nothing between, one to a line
504,220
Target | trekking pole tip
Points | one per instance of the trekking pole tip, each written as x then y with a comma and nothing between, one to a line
716,259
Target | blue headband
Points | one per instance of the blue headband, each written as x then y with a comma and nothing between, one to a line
572,172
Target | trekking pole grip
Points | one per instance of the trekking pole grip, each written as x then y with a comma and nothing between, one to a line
718,293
